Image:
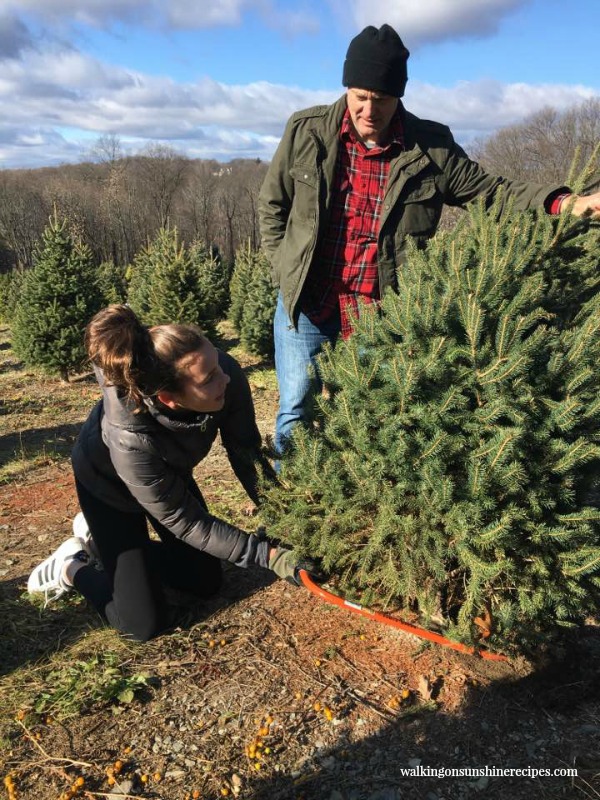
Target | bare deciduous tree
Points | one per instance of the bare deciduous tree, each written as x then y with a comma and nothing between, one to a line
161,171
23,214
543,147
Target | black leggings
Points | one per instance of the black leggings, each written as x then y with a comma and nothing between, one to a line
129,590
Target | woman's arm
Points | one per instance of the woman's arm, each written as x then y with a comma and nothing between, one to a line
240,435
166,497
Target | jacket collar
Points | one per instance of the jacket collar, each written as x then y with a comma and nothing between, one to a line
121,414
176,422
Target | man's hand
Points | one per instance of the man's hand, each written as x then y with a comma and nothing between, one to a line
587,205
286,565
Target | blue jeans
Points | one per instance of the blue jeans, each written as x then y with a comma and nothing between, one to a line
295,351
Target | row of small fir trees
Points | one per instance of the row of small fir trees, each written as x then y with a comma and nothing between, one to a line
48,306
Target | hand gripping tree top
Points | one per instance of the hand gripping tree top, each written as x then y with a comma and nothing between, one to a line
452,466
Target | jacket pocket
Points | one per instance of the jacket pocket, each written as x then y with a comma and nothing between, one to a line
422,193
421,209
306,182
307,175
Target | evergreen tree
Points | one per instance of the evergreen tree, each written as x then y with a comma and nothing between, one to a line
171,283
141,272
213,283
58,297
172,294
243,269
256,326
166,284
453,465
10,289
112,282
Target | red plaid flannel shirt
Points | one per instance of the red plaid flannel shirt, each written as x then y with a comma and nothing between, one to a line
346,264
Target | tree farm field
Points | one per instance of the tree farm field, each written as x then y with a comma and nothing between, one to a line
265,691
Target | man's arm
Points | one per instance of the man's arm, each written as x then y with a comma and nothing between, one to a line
277,194
467,180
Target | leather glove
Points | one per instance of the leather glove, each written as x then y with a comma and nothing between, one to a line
286,565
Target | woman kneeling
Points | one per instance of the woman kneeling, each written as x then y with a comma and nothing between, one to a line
166,392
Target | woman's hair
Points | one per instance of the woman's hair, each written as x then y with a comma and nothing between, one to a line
140,361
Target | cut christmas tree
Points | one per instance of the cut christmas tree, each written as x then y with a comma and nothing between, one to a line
452,467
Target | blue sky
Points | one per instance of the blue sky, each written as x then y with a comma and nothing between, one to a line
218,78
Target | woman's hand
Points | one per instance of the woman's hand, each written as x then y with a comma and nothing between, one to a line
286,565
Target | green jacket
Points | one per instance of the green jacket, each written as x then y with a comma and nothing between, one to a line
432,171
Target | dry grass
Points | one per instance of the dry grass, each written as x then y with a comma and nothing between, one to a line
39,416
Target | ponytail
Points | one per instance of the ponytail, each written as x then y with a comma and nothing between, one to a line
140,361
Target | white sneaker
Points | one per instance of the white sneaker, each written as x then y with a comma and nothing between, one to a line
47,577
80,526
81,530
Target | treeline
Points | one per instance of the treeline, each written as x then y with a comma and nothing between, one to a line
544,146
118,204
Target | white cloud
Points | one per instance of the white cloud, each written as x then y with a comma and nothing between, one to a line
292,22
97,13
483,106
60,91
176,14
14,36
418,22
71,89
186,14
65,98
35,147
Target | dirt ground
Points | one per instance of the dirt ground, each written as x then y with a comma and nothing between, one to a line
267,692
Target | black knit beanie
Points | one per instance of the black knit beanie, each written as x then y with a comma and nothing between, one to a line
376,60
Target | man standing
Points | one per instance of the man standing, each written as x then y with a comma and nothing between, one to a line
348,184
